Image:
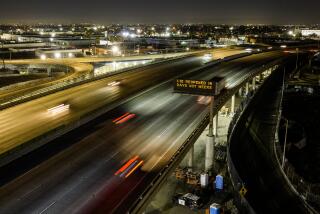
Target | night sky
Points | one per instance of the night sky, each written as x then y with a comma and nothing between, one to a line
162,11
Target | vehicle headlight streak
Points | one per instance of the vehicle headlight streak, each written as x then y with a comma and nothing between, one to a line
59,109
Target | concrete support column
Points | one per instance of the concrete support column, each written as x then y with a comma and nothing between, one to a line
209,153
215,125
254,83
233,99
49,71
240,92
247,88
210,134
261,77
191,157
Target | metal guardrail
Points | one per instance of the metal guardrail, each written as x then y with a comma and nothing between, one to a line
236,180
307,191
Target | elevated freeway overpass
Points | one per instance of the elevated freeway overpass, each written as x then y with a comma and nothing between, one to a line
81,71
80,173
252,158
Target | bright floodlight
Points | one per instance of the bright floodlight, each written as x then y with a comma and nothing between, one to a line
53,34
57,55
125,34
70,55
283,46
115,49
43,57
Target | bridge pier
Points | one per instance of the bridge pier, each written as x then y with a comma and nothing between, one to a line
254,83
49,71
247,88
191,157
240,92
215,125
233,99
261,77
209,153
210,134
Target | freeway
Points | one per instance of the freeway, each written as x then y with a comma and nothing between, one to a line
76,173
82,70
79,67
24,122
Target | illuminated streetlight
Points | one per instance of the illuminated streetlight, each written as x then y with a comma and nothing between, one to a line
115,50
132,35
43,57
70,55
125,34
57,55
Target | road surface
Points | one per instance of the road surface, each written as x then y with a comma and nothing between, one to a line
252,153
81,67
24,122
75,173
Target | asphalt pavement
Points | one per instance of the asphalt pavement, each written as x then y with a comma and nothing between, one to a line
79,176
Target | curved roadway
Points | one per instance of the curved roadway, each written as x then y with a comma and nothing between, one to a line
252,153
75,173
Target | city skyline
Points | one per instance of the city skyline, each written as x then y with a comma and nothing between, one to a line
146,12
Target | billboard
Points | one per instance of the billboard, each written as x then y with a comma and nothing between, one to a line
197,87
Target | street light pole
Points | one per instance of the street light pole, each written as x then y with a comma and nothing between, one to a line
285,144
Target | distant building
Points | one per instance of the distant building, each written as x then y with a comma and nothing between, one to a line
309,32
230,41
58,53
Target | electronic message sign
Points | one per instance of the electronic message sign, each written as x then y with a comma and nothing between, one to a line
197,87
